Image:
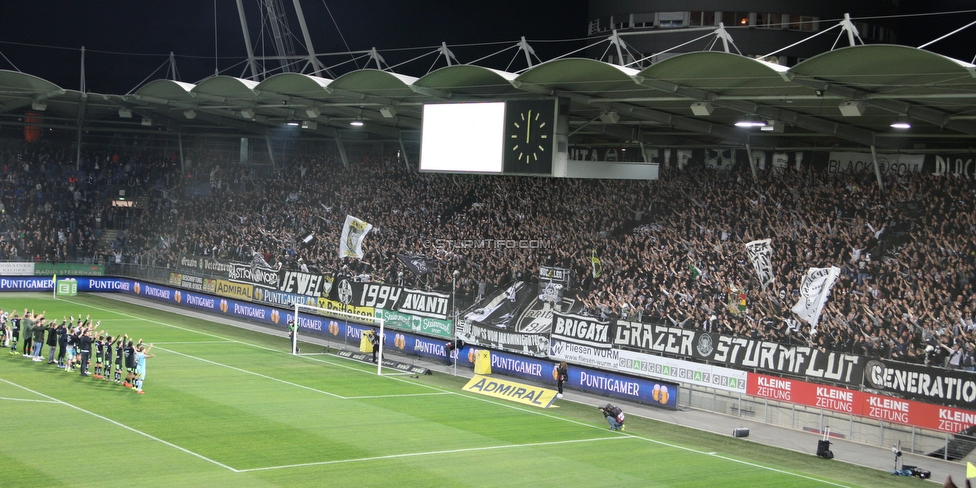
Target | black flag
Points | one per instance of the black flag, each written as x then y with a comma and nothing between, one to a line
418,263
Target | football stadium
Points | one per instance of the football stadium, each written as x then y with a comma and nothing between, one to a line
692,247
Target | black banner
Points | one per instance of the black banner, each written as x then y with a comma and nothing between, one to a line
742,352
203,264
391,297
925,383
256,275
304,284
587,331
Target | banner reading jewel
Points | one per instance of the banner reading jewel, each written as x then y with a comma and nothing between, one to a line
862,404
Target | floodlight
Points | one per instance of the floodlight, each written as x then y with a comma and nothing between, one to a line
313,112
190,114
388,112
310,125
125,113
247,113
146,121
901,123
356,123
39,105
751,121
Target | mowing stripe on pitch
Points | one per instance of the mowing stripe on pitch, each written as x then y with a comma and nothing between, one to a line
429,453
119,424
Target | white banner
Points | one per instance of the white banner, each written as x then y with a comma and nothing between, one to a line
814,291
353,233
717,377
16,269
760,253
583,354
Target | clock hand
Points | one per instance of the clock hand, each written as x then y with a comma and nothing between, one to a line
528,127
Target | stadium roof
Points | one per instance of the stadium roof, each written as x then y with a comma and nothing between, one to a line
877,84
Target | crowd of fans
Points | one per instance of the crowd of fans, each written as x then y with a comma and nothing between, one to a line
670,251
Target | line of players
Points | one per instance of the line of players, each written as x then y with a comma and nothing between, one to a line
74,343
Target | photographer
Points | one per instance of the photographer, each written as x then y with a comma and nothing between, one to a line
614,415
561,373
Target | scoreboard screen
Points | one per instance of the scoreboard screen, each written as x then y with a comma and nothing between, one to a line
515,137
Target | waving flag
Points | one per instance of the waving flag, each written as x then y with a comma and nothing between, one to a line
353,233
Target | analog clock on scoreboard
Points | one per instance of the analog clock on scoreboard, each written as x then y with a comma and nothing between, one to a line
529,129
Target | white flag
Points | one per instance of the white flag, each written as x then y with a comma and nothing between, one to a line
760,253
351,242
813,293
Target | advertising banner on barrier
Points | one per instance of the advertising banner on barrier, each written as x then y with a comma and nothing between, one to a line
680,371
240,291
919,382
275,297
339,307
69,269
26,284
585,355
16,269
862,404
420,325
192,282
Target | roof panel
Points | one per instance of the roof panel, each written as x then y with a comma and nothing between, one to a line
227,87
876,65
720,73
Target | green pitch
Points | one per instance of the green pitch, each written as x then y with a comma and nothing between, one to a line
230,407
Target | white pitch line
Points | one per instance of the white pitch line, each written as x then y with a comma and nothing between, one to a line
397,396
194,342
272,378
27,400
119,424
430,453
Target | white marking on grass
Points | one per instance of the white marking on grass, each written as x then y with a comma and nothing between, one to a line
272,378
26,400
193,342
119,424
430,453
398,396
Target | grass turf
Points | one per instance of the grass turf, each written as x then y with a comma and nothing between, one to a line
230,407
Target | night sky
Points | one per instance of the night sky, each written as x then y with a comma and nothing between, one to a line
127,42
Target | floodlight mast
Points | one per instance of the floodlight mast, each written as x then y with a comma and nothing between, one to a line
277,20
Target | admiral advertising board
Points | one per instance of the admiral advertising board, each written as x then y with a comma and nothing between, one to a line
862,404
230,289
